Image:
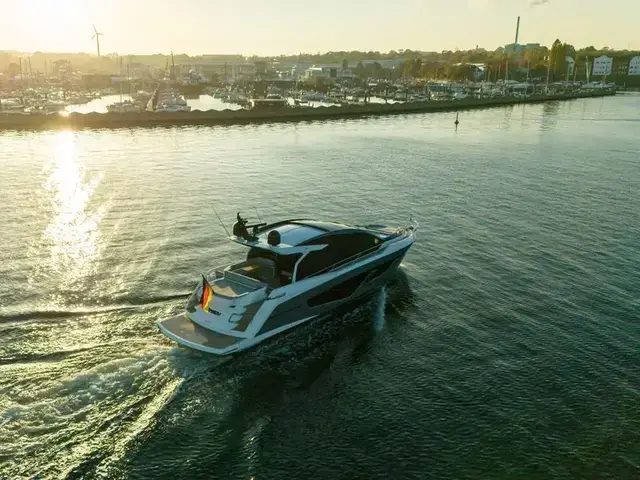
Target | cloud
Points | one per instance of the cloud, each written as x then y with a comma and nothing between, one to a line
535,3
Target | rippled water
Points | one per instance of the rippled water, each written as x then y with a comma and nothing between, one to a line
507,346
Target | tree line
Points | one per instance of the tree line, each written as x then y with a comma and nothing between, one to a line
447,64
530,63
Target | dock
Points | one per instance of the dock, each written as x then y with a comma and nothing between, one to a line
267,115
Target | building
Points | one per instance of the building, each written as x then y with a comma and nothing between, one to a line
223,69
261,67
571,65
294,70
387,63
634,66
139,70
602,65
61,68
329,73
519,49
478,69
298,69
620,67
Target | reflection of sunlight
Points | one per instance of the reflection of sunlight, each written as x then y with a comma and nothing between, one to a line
73,232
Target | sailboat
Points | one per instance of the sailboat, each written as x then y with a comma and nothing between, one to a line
126,106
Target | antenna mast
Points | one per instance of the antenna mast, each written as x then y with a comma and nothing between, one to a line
225,228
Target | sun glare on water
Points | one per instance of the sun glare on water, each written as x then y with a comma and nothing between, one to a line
73,233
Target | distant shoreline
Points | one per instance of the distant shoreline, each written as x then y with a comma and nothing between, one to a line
234,117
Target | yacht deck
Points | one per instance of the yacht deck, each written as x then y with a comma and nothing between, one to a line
229,288
181,329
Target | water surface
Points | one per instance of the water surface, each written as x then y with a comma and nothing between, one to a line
507,346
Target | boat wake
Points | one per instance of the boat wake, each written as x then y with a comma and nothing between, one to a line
83,312
62,354
378,317
86,411
91,413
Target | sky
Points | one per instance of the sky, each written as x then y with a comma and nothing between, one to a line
271,27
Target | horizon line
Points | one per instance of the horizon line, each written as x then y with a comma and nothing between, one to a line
398,51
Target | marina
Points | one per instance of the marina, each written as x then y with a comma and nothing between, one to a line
174,110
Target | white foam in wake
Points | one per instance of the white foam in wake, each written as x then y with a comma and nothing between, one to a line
88,412
381,303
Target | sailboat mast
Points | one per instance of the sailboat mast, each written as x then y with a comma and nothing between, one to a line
586,66
173,67
548,71
120,61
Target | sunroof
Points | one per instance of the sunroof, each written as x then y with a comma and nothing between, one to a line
326,226
296,233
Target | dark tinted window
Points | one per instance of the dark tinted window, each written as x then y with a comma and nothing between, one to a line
260,253
284,266
340,247
338,292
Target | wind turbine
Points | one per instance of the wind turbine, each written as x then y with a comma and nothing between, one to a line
96,35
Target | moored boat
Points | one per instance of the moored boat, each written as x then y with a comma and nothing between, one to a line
126,106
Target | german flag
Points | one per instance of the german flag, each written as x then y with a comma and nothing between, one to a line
207,295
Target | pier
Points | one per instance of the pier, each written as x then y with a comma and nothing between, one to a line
266,115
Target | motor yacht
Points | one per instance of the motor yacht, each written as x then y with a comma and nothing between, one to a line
295,271
313,97
126,106
171,101
271,101
172,107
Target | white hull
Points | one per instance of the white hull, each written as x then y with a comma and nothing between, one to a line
173,108
124,108
197,338
245,312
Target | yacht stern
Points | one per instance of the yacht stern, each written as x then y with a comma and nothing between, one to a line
181,329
